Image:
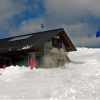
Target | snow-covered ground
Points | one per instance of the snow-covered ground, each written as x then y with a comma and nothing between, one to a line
79,80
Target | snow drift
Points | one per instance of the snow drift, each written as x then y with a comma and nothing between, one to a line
78,80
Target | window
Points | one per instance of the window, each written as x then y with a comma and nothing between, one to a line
57,43
20,38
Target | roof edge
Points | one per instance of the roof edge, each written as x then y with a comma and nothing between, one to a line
32,33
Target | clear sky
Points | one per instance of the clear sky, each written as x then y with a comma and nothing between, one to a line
79,18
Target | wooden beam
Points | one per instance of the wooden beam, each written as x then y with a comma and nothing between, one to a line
13,53
68,40
20,52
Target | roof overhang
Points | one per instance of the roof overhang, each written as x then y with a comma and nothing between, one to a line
35,41
69,46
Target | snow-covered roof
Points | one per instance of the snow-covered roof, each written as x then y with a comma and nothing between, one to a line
34,41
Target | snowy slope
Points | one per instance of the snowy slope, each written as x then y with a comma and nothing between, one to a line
78,80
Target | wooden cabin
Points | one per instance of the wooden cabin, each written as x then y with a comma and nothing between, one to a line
48,48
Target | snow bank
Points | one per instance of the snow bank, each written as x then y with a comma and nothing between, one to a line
78,80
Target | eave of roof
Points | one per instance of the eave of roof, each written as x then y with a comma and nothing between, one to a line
68,44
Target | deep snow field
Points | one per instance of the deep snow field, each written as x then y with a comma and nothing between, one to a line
79,80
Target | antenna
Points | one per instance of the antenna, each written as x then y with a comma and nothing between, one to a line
42,27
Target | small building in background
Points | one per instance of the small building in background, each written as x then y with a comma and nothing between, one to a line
48,48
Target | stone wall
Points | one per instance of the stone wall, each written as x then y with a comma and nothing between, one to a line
50,60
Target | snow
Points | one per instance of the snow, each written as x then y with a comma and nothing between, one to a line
27,47
78,80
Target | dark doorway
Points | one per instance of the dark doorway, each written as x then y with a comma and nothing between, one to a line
38,61
20,61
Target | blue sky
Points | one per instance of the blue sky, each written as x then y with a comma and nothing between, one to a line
79,18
